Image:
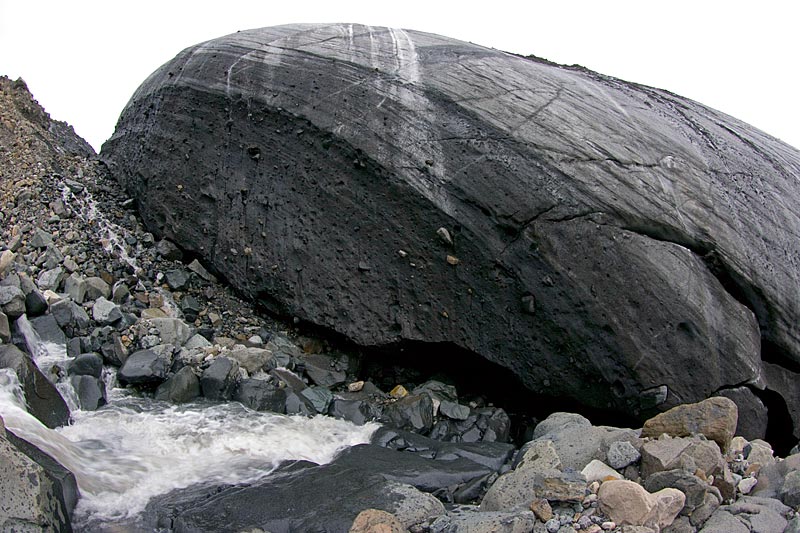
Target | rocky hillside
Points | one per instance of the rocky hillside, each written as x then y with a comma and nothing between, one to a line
609,244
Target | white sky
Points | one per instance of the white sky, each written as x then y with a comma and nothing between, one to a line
83,59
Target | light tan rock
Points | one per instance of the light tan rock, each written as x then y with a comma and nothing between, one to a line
541,508
6,258
628,503
691,454
541,455
376,521
716,418
599,471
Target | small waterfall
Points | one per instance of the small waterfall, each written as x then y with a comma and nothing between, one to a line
111,234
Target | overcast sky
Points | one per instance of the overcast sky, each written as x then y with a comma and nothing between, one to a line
83,59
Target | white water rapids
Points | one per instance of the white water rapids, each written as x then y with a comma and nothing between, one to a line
136,448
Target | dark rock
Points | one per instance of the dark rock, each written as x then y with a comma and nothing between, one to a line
693,487
324,371
181,387
678,205
35,303
145,367
320,398
168,250
301,496
753,414
191,308
48,330
358,412
297,404
96,288
218,381
261,395
454,410
414,412
289,378
5,328
43,399
68,313
86,364
113,350
90,390
177,279
41,239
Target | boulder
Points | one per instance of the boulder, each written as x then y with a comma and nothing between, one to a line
35,303
694,488
577,441
251,359
515,490
96,287
50,280
218,381
687,453
177,279
716,418
621,454
105,312
376,521
413,412
86,364
38,493
324,370
753,415
69,314
41,396
749,514
75,287
171,330
145,367
181,387
12,301
358,412
503,152
261,395
301,496
468,519
48,330
90,390
628,503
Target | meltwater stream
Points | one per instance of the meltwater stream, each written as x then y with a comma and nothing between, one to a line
136,448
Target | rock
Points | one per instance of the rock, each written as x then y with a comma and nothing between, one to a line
746,485
195,342
261,395
753,415
725,483
105,312
218,381
48,330
790,490
35,304
50,280
7,258
599,471
200,270
621,454
177,279
626,502
541,508
320,398
40,239
716,418
668,453
171,330
468,519
539,455
700,515
324,370
91,392
454,410
75,286
667,152
69,314
297,404
97,288
42,398
12,301
144,367
760,453
120,293
39,494
181,387
413,412
691,486
578,442
252,359
515,490
168,250
358,412
191,308
376,521
748,514
86,364
301,496
5,328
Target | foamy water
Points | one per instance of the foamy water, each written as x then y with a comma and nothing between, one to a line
136,448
